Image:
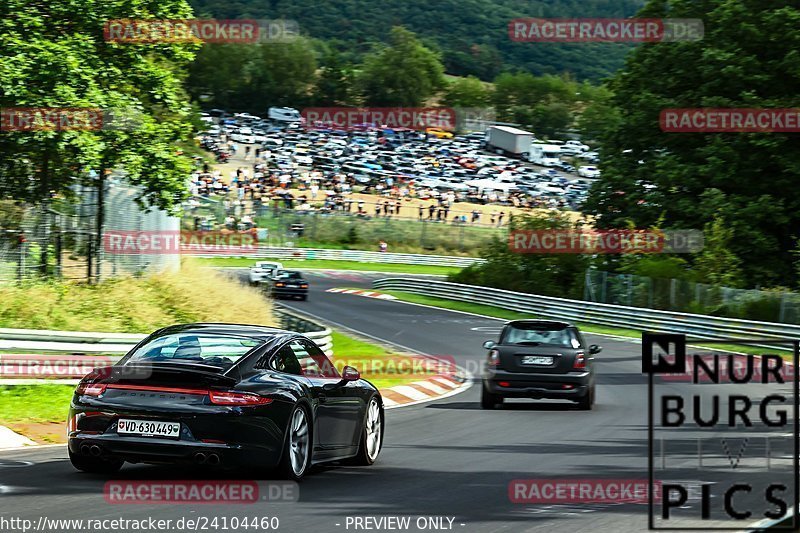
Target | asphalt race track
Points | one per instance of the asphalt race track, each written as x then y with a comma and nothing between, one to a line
445,458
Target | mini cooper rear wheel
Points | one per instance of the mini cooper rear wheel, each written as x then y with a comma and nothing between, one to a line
489,400
586,403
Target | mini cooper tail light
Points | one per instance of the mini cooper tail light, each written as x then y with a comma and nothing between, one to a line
494,357
580,361
237,398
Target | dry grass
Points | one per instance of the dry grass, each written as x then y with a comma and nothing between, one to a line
134,305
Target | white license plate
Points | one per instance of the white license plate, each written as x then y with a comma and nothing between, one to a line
148,428
290,286
537,360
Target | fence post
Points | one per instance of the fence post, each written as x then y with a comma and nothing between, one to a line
59,271
782,311
672,289
604,288
89,253
630,289
588,293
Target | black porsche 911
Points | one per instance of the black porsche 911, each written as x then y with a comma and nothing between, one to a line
539,359
224,395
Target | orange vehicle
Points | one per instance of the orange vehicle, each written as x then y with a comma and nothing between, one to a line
439,133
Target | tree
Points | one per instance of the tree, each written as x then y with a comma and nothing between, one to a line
747,179
334,86
599,116
216,76
717,264
538,273
55,56
467,92
279,74
551,119
405,73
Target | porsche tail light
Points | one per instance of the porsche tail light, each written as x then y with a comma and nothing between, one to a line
237,398
580,361
304,285
494,357
279,284
90,389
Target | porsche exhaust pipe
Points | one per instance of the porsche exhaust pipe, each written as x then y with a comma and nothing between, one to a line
213,459
95,450
199,458
85,449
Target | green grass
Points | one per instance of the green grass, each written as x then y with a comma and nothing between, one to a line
498,312
328,264
34,403
406,235
383,367
131,304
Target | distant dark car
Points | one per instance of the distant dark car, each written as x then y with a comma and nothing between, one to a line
289,283
539,359
224,395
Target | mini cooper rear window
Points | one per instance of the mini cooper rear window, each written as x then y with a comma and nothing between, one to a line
540,333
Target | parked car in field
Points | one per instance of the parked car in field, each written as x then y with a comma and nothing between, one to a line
439,133
589,171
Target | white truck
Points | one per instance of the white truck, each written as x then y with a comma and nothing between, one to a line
546,155
283,114
508,141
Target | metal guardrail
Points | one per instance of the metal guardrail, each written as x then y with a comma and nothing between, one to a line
638,318
321,335
360,256
78,342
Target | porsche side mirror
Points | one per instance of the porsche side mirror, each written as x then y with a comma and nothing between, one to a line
350,374
489,345
593,349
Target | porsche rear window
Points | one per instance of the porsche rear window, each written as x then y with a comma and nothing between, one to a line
217,350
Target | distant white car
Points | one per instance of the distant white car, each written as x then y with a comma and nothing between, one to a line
283,114
263,270
589,172
577,145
